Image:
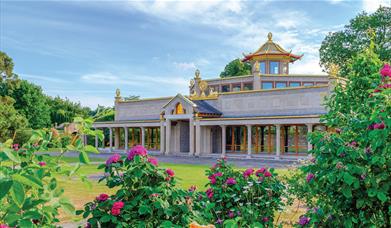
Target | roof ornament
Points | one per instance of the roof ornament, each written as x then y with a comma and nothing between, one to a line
270,36
118,95
197,74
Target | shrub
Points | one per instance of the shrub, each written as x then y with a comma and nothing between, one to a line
348,181
30,195
247,198
146,195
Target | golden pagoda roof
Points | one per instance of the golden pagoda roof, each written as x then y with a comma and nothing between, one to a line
271,50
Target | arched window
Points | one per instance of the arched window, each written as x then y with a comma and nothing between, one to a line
179,109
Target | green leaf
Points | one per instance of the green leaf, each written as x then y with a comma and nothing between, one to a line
17,193
144,210
28,180
67,205
348,178
5,187
83,157
347,192
91,149
382,197
12,155
105,218
26,223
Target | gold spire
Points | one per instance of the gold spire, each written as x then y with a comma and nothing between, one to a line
197,74
270,36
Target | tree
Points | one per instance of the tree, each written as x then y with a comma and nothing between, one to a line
236,68
64,110
10,119
340,47
8,79
348,182
32,103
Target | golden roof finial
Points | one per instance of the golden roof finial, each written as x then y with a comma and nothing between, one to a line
270,36
117,95
197,73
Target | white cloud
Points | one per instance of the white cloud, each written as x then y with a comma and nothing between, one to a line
371,6
307,65
39,78
185,65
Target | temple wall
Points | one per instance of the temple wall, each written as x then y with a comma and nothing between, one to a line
280,102
139,110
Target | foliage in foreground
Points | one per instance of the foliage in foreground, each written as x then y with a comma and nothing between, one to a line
247,198
30,195
348,182
146,195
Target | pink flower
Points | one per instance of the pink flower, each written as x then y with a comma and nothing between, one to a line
310,176
379,126
248,172
268,174
15,146
3,226
209,193
231,214
116,209
113,159
230,181
386,71
259,171
41,163
137,151
88,225
212,179
304,220
265,219
154,194
102,197
170,172
218,174
192,188
153,161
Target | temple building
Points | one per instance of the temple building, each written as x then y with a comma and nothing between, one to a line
267,114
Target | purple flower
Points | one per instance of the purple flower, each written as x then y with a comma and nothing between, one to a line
209,193
230,181
192,188
379,126
265,219
88,225
219,221
248,172
231,214
218,174
102,197
368,150
310,176
137,151
113,159
304,220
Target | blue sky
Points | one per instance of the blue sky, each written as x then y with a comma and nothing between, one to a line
84,50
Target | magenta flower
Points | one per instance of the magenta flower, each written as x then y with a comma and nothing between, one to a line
219,221
380,126
386,71
230,181
218,174
265,219
137,151
154,194
248,172
113,159
259,171
88,225
212,179
231,214
170,172
41,163
209,193
102,197
3,226
304,220
310,176
268,174
15,146
153,161
192,188
116,209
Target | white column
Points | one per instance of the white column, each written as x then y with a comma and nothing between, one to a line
117,137
168,136
103,138
162,139
198,138
111,140
142,131
278,141
126,130
309,127
248,141
96,142
191,137
223,139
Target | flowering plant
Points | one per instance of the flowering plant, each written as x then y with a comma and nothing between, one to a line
246,198
348,181
146,195
30,195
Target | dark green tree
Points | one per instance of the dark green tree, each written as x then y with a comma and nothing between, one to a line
236,68
10,119
340,47
64,110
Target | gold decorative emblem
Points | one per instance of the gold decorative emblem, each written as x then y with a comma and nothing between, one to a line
203,85
191,82
270,36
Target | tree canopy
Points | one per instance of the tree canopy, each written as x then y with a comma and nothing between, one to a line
10,119
236,68
341,47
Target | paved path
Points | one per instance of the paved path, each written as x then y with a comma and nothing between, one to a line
209,161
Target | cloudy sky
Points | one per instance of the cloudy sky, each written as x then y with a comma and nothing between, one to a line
84,50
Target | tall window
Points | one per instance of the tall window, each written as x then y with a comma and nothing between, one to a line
294,139
262,68
284,68
263,139
267,85
274,66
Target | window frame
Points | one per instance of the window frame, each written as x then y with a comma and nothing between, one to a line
286,84
272,83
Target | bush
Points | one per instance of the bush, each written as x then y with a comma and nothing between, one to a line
247,199
348,181
30,195
146,195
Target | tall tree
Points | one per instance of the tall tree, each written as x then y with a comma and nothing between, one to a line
340,47
64,110
10,119
236,68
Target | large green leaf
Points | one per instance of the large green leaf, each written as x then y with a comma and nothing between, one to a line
5,187
348,178
17,193
91,149
67,205
12,155
28,180
381,196
83,157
